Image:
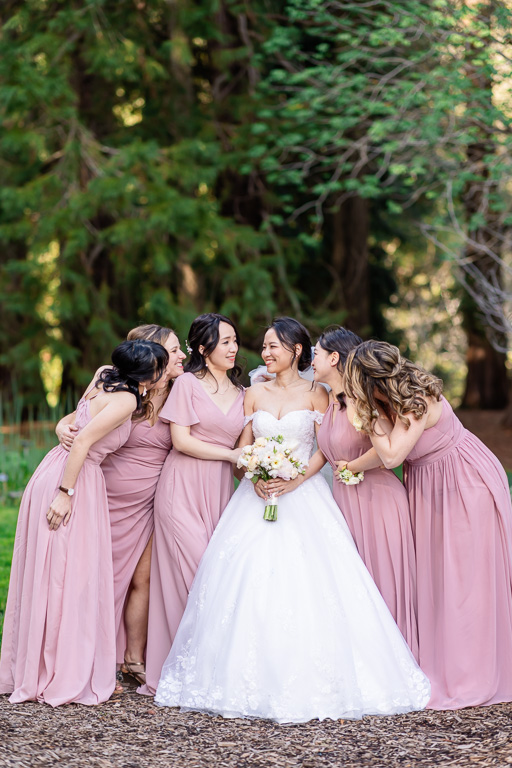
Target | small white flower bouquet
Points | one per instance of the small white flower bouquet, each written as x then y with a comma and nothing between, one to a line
350,478
268,458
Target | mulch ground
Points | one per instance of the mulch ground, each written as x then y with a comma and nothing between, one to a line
131,732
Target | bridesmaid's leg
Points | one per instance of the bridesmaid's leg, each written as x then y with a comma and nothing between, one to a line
136,611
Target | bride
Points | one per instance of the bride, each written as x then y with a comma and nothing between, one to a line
283,620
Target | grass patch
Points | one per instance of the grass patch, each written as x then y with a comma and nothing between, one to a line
8,518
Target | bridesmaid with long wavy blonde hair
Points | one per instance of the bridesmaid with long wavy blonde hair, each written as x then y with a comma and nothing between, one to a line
462,521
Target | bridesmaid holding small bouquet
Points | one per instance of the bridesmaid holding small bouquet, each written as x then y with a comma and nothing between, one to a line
374,503
462,523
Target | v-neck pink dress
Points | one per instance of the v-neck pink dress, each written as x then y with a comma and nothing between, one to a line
58,641
377,513
131,476
462,521
190,497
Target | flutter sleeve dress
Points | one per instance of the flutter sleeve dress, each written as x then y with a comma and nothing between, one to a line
190,497
58,641
462,522
377,513
131,476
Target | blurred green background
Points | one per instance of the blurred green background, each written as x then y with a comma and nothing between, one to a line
340,162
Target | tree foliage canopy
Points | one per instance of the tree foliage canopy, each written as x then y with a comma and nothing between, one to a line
162,159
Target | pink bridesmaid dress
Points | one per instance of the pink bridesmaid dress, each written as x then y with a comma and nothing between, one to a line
59,636
190,497
377,513
462,521
131,476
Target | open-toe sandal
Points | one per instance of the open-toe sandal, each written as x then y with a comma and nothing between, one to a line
138,674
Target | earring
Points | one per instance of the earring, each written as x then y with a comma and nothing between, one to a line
144,391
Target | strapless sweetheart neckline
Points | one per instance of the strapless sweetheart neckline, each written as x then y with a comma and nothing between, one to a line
280,418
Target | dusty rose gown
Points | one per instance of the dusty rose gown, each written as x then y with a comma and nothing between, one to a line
462,521
131,476
190,497
59,637
377,513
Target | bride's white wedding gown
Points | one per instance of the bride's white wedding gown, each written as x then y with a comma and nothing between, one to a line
283,620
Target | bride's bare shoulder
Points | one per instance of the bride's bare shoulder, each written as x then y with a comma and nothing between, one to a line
254,392
319,397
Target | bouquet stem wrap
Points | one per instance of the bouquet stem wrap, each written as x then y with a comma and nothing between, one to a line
268,458
270,512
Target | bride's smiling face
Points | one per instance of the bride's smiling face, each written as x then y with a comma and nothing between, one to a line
276,357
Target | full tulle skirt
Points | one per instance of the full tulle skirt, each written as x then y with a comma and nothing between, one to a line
284,621
377,514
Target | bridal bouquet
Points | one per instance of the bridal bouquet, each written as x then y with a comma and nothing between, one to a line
268,458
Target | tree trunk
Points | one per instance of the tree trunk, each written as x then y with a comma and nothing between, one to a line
350,263
486,384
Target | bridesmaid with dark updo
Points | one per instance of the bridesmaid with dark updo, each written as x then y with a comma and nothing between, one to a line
376,509
206,417
58,641
131,476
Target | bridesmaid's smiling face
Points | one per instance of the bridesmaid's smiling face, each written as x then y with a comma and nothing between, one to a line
223,356
275,356
176,357
325,365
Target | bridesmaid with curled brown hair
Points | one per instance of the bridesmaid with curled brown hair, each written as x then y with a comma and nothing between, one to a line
462,521
131,476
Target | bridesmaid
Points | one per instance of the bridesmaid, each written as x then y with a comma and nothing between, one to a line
462,521
59,637
131,475
377,509
205,412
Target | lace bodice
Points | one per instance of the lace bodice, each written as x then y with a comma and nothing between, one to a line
295,425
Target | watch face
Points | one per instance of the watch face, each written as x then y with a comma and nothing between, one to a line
71,491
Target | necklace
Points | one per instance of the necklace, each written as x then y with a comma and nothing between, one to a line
292,384
218,390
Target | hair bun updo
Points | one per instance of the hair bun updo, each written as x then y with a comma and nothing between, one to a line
290,333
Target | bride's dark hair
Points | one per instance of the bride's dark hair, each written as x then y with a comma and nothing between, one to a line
204,332
340,340
290,333
132,363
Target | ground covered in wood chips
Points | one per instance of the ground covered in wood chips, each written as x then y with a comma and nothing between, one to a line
131,732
